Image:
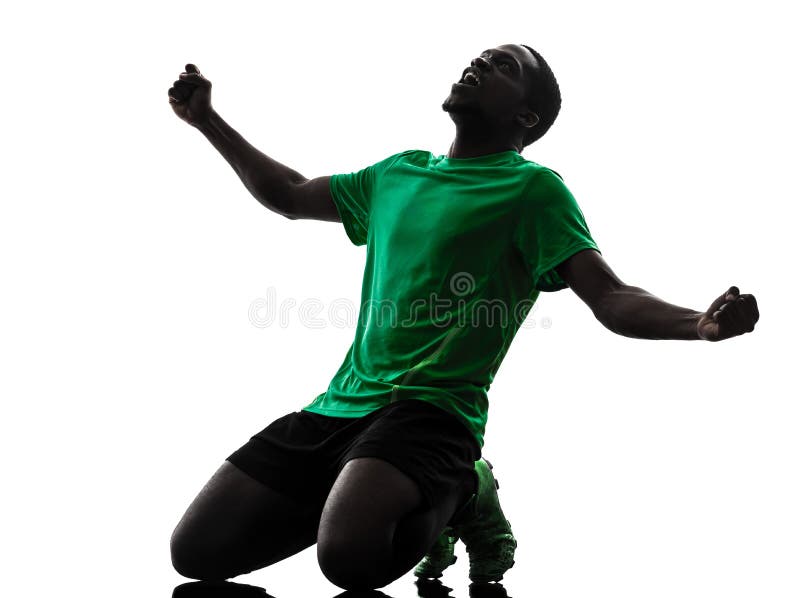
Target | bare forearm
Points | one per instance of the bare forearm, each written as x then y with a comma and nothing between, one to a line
266,179
633,312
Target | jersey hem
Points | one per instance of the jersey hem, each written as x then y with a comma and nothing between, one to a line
349,413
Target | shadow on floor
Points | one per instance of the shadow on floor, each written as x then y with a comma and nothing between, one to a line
426,588
218,589
433,588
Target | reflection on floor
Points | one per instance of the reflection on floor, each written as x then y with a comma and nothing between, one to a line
218,589
426,588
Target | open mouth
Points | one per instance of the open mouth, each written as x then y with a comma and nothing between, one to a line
470,78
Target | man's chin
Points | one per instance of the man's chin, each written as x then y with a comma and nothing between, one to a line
456,107
453,103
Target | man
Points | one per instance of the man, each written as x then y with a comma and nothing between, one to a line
385,464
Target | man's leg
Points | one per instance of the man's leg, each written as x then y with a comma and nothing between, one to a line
236,525
373,528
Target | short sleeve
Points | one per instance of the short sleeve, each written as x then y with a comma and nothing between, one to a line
352,194
550,228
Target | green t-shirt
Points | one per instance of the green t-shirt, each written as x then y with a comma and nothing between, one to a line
458,250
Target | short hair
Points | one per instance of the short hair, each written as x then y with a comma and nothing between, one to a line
544,99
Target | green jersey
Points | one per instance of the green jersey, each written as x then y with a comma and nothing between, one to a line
458,250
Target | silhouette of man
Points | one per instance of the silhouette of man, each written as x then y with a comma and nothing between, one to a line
385,465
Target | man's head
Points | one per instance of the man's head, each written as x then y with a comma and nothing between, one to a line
508,91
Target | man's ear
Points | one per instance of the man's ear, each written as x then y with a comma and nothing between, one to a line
528,119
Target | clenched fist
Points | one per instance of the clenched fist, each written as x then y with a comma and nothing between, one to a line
731,314
190,96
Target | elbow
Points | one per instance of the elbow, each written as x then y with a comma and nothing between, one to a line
280,211
605,318
605,309
275,200
610,324
623,313
284,201
274,206
616,322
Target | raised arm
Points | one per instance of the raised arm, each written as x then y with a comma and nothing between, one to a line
276,186
633,312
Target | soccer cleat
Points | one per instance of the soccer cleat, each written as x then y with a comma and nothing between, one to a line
440,556
485,531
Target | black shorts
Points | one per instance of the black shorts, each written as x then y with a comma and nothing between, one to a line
301,454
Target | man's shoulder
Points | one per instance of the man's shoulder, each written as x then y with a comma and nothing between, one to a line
409,156
536,169
414,155
409,153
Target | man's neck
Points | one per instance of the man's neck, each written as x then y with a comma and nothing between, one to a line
463,147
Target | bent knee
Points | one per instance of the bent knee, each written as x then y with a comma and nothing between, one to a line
354,566
196,558
189,561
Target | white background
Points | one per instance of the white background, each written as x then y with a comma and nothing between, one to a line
130,254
